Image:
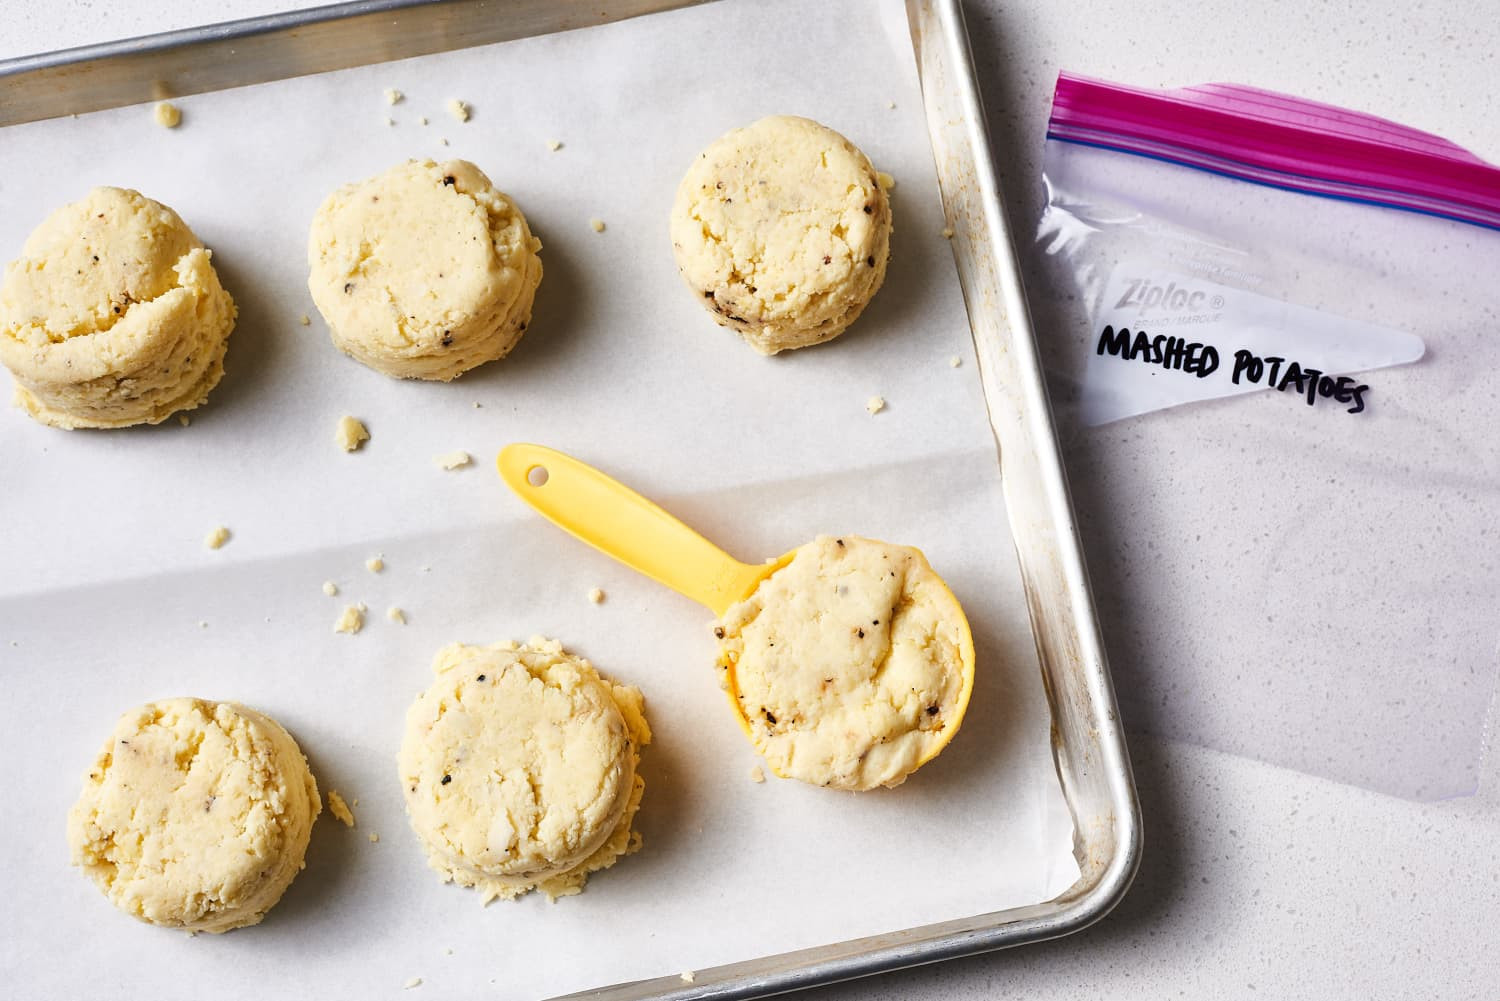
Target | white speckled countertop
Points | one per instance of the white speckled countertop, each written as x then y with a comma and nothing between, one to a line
1256,881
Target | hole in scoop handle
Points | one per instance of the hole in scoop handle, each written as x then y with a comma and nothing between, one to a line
621,523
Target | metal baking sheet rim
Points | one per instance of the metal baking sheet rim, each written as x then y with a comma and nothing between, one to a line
1088,743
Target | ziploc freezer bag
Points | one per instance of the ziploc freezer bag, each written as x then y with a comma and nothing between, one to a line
1272,335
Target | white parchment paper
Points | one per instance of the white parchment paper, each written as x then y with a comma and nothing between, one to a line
109,598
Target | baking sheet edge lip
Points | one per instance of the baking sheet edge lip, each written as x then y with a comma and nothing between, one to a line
1072,917
241,28
245,28
1120,871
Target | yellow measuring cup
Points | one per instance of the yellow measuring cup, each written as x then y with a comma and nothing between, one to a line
621,523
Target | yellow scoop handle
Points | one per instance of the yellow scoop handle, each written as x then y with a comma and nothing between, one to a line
621,523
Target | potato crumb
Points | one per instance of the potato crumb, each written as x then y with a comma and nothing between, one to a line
554,145
886,180
393,96
330,588
374,838
687,976
891,105
184,420
421,119
167,115
452,460
396,615
596,595
443,141
875,404
955,361
217,537
413,982
458,109
351,620
757,774
340,809
305,320
350,434
374,564
598,225
202,624
947,232
390,121
478,405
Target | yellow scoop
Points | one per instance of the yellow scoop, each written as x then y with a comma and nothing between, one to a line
621,523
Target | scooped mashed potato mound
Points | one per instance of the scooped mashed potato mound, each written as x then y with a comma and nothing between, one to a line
783,230
848,663
424,271
113,315
195,815
519,768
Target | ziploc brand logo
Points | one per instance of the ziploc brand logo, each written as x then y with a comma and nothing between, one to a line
1144,295
1170,339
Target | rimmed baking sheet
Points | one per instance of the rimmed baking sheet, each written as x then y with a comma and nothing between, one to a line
111,598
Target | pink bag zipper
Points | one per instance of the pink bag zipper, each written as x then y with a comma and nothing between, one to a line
1281,141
